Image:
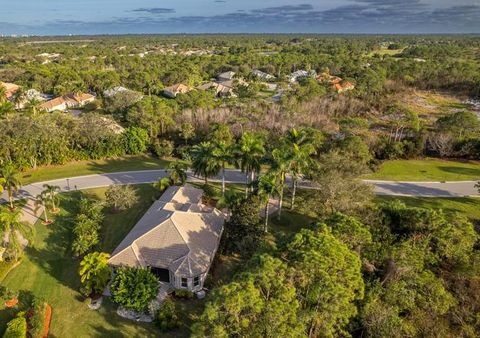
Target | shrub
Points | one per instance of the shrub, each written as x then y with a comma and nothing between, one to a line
135,140
167,318
183,293
134,288
120,197
37,319
163,148
17,327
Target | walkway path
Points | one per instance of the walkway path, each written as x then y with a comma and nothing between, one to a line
392,188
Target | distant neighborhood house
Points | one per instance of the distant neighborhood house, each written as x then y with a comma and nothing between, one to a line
10,89
337,83
67,102
223,89
300,74
176,89
262,75
177,238
227,76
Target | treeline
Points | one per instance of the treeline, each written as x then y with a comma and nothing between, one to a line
119,61
389,271
57,138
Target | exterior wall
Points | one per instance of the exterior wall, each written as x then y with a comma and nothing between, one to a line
176,281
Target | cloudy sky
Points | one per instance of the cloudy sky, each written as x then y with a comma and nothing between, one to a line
51,17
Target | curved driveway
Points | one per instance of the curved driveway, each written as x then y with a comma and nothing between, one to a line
391,188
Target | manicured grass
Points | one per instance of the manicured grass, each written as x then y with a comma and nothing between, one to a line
466,206
427,170
80,168
49,271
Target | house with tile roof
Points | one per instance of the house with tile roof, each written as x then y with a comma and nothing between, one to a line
68,101
10,89
177,239
176,89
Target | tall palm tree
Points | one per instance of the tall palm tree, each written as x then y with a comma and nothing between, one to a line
301,148
223,152
11,226
250,151
204,162
33,106
178,172
42,201
268,186
51,191
12,181
281,166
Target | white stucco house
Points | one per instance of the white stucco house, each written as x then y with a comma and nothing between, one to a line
177,238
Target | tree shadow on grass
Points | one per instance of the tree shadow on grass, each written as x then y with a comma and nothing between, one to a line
120,326
461,171
52,249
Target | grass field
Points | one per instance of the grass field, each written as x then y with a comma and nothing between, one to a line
427,170
49,271
80,168
466,206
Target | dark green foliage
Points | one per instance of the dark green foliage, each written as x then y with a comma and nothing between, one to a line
261,302
243,230
17,327
167,317
135,140
134,288
87,226
183,293
37,319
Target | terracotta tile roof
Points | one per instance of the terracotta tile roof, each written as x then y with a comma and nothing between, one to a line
10,88
177,233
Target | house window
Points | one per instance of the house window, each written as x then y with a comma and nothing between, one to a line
184,282
196,281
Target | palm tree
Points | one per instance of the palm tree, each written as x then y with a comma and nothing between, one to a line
12,181
204,162
300,147
33,106
268,186
281,166
41,201
11,226
51,191
223,152
250,151
178,172
2,182
163,183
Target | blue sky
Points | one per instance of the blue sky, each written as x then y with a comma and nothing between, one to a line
50,17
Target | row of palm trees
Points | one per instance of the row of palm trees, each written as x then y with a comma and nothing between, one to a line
291,158
11,224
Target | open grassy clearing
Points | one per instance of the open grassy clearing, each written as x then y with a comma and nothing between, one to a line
466,206
49,271
431,105
90,167
427,170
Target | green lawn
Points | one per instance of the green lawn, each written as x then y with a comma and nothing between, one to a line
466,206
49,271
80,168
427,170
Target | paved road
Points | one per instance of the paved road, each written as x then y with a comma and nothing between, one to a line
418,189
